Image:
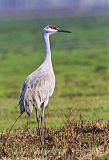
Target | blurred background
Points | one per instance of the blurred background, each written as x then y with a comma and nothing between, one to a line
80,59
51,8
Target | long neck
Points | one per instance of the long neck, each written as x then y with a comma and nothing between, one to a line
47,58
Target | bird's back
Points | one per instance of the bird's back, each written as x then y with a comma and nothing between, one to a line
37,89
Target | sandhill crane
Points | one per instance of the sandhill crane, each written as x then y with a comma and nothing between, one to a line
40,84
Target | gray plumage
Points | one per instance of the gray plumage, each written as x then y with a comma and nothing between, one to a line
37,89
40,84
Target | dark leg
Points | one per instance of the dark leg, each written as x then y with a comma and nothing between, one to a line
37,119
42,128
26,125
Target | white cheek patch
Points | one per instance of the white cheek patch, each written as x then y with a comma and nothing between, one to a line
49,30
52,30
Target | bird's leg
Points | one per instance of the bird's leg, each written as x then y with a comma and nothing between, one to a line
42,128
37,119
26,125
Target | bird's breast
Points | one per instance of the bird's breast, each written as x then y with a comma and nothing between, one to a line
51,82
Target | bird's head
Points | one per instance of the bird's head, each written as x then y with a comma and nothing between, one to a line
50,29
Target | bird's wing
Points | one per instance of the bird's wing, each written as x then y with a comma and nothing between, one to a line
22,97
42,85
37,88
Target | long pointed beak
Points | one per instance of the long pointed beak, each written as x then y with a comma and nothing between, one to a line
61,30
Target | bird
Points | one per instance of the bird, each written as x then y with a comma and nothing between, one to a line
38,87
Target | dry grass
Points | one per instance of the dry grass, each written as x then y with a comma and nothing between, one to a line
71,142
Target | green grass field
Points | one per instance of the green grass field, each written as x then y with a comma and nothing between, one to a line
81,66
